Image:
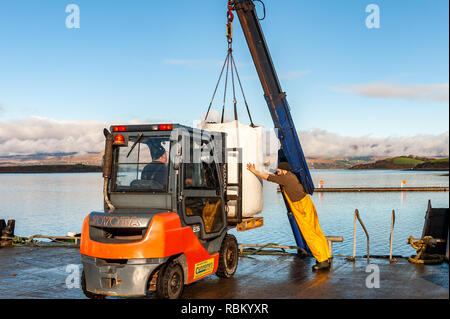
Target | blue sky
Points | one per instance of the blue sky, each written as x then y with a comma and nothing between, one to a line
159,60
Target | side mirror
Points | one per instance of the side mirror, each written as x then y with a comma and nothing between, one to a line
207,159
177,161
177,157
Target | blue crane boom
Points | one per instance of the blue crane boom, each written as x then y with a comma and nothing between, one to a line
275,97
291,150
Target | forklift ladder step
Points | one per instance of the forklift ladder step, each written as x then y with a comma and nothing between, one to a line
250,223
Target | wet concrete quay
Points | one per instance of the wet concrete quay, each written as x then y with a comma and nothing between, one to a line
31,272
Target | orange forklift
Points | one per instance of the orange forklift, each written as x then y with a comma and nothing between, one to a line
165,220
166,194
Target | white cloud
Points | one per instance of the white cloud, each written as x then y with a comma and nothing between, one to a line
430,92
42,135
320,143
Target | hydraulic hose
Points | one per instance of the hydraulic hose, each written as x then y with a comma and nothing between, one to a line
105,195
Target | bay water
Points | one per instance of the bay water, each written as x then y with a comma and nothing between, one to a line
54,204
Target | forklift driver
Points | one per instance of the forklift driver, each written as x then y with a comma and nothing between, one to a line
303,209
156,171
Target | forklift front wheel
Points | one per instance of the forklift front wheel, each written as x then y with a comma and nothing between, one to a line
228,257
170,282
87,293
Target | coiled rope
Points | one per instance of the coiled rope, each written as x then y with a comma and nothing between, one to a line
421,246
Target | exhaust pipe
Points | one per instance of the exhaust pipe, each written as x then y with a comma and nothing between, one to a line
107,167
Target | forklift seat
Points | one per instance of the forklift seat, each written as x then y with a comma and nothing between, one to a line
208,209
209,214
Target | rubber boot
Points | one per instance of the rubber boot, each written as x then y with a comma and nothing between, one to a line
322,265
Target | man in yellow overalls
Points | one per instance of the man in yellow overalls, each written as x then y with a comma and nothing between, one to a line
303,209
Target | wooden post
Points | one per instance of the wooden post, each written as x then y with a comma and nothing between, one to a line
354,236
2,227
331,240
391,260
367,234
448,236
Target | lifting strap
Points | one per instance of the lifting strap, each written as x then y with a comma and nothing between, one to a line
231,68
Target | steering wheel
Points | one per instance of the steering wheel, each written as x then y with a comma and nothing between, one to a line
142,183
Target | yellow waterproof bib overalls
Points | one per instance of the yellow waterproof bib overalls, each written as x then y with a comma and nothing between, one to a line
306,216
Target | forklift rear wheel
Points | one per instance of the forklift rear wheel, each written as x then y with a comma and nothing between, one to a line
170,282
89,294
228,257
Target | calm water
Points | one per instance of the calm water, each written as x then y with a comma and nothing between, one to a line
54,204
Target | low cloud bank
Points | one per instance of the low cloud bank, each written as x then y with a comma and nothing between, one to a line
320,143
42,135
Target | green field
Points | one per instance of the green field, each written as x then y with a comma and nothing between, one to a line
403,160
406,161
441,160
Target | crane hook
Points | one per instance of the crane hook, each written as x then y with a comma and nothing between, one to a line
264,9
230,18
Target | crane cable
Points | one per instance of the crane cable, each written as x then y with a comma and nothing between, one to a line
230,66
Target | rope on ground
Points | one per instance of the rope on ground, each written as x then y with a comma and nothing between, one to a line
261,251
427,259
385,257
421,246
68,242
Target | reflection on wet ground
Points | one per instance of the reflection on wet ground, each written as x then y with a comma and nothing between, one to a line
28,272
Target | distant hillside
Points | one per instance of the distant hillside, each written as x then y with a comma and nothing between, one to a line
407,162
52,159
337,163
324,163
66,162
52,163
433,165
75,168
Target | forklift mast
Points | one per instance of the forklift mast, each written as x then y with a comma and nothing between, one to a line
274,95
291,150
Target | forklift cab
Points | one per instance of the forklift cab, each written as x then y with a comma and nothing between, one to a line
165,218
172,167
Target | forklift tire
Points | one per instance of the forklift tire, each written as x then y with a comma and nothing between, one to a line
170,282
228,257
88,294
